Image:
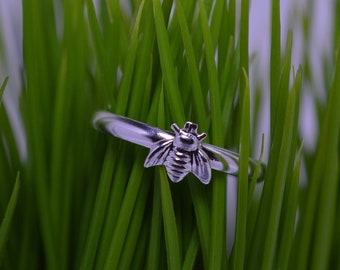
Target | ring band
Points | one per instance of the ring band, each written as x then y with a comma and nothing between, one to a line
180,152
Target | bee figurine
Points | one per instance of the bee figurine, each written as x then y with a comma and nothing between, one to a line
180,152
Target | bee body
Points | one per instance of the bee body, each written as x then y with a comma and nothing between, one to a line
181,154
178,164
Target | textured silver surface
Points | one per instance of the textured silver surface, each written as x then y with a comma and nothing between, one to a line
180,152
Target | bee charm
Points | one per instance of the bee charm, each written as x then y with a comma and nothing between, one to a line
180,152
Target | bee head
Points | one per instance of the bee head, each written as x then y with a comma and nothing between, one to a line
187,137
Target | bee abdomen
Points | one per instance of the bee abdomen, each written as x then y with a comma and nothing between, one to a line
177,164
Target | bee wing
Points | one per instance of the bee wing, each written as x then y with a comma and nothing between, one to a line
129,130
158,153
228,161
201,166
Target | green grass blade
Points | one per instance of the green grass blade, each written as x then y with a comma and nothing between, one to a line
2,88
104,66
203,220
255,176
168,70
116,198
40,66
275,60
96,35
244,40
307,232
219,9
131,242
125,87
218,223
199,105
326,212
99,209
229,82
143,67
282,93
212,77
289,221
288,214
242,184
227,30
138,260
232,15
253,202
192,251
5,225
10,152
278,191
256,245
155,231
58,136
125,213
170,226
328,194
217,243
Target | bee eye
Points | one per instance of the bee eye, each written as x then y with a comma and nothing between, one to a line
187,140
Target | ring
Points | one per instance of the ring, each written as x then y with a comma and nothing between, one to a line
180,152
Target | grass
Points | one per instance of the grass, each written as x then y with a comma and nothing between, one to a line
82,199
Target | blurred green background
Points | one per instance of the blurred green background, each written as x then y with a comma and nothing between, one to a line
72,197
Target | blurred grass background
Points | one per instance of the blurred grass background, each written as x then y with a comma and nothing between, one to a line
82,199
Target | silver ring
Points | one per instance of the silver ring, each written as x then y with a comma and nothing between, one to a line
180,152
